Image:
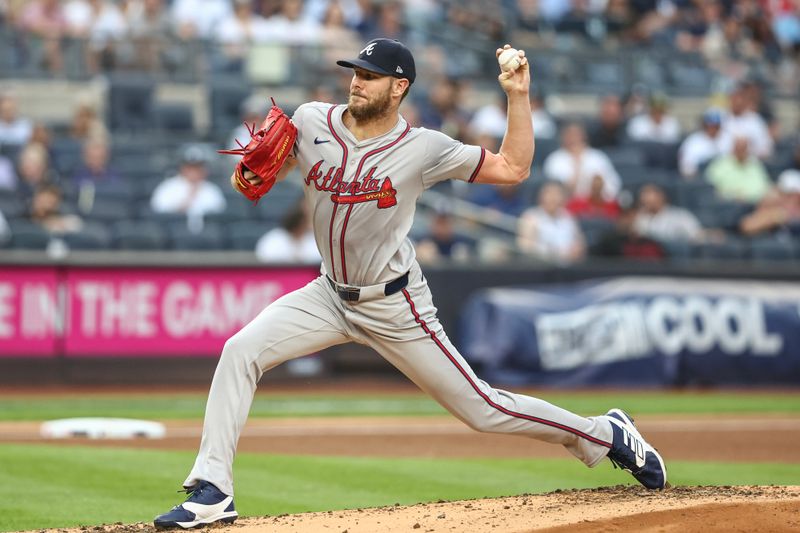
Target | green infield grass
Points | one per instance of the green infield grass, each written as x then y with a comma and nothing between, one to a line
191,405
51,486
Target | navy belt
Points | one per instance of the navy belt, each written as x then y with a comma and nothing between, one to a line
354,294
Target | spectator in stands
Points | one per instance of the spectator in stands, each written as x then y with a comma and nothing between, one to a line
337,37
442,109
95,168
595,204
290,27
252,111
702,145
85,124
491,119
292,242
34,169
786,25
656,125
238,32
576,164
742,121
780,208
386,21
189,191
44,20
624,241
8,177
544,125
754,92
46,211
196,19
548,231
609,129
442,242
505,199
101,24
739,176
14,130
659,220
150,28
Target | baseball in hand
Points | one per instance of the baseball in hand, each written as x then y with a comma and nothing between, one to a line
508,60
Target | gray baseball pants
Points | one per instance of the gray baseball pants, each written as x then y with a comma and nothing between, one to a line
403,328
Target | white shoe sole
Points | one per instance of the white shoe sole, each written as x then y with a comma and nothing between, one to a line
629,426
212,519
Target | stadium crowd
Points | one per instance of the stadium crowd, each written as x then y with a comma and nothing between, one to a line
626,181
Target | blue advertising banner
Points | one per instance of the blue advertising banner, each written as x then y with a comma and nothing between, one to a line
636,331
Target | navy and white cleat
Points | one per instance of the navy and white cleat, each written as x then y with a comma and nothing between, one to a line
206,504
630,452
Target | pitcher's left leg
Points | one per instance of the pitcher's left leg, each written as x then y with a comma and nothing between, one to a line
413,341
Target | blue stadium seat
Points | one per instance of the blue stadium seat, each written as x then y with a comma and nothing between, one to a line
27,235
731,248
209,238
594,229
174,117
91,237
130,102
773,249
138,235
105,210
245,235
12,205
225,99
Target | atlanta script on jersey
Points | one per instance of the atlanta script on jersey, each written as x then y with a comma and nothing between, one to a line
366,191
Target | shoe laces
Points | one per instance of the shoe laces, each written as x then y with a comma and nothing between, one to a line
193,492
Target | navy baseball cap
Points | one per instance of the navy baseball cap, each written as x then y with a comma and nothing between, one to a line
712,117
389,57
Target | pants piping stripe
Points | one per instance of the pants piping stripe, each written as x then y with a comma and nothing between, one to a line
483,395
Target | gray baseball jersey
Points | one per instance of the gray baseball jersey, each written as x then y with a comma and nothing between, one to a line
362,198
363,195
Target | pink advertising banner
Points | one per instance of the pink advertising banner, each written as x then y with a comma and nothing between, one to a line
140,312
30,318
181,312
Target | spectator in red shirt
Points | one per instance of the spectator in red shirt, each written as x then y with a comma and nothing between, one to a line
594,205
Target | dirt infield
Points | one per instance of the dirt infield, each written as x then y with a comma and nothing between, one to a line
708,438
683,509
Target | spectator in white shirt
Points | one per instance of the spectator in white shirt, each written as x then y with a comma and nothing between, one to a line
702,145
576,164
101,23
196,19
658,220
14,130
188,192
293,242
290,27
490,120
656,125
548,231
742,121
237,32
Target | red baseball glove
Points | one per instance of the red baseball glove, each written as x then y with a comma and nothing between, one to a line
265,154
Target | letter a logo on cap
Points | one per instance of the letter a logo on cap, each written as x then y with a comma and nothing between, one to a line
399,70
368,49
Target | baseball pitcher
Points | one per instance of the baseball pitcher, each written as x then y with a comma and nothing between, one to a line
363,168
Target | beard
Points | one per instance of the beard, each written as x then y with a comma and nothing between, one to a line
366,110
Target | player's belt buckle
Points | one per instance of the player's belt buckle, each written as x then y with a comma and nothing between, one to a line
348,294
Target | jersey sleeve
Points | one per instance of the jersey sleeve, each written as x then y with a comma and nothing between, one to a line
446,158
297,120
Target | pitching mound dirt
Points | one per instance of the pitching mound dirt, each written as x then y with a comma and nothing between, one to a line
621,508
